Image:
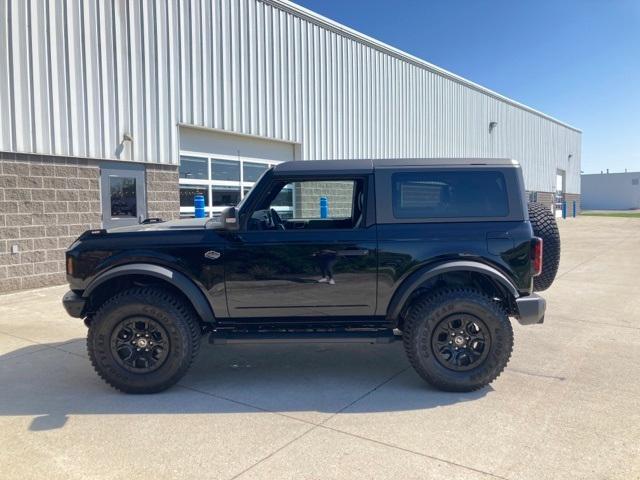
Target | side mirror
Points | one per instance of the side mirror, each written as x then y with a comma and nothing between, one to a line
228,219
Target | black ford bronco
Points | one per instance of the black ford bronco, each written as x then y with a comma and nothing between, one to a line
436,252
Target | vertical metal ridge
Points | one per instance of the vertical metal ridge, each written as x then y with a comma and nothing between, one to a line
76,76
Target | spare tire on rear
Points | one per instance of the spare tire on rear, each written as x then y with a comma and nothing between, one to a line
544,226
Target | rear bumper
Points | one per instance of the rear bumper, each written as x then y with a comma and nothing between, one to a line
74,304
531,309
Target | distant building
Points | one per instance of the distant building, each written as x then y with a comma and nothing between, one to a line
611,191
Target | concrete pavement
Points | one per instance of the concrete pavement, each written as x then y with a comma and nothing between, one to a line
566,406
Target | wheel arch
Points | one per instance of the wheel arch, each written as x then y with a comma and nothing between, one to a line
122,276
457,272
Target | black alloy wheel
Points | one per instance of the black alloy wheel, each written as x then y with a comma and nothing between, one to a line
143,339
140,344
461,342
457,339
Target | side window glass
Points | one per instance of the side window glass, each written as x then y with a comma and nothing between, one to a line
312,205
462,194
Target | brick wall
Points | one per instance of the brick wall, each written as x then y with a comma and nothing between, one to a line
547,198
45,203
163,196
307,198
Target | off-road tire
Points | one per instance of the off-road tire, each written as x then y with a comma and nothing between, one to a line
166,309
427,313
544,226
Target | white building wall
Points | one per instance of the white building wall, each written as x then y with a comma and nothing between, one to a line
611,191
75,76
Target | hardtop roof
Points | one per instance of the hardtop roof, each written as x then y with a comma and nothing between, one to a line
368,165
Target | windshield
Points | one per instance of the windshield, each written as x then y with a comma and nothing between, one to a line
250,192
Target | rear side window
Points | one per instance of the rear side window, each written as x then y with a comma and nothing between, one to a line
460,194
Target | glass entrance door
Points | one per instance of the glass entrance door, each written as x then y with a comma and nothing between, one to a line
123,200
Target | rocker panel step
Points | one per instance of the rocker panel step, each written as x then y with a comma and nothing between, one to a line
375,337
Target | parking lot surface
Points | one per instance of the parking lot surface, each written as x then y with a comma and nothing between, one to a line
567,406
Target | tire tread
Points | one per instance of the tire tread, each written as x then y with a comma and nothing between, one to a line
427,304
156,296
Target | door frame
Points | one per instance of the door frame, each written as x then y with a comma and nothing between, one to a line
109,169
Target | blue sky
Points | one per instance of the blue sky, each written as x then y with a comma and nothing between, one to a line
576,60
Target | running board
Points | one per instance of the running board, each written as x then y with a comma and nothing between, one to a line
374,337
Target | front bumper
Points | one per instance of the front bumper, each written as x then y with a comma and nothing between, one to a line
531,309
74,304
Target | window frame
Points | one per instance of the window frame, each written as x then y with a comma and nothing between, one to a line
384,194
210,183
249,210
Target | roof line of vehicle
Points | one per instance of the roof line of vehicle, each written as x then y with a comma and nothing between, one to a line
341,29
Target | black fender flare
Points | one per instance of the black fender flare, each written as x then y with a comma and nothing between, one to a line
413,281
189,288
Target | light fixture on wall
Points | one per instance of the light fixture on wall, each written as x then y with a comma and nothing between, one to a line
492,125
570,156
126,137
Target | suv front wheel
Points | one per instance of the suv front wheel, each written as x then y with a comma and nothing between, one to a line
458,340
143,340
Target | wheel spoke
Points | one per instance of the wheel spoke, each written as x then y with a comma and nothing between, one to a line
140,344
460,342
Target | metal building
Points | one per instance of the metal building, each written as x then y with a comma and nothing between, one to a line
155,101
611,191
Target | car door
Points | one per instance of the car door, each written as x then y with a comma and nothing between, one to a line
322,262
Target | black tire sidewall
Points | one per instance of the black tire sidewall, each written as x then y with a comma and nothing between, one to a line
425,319
544,225
138,304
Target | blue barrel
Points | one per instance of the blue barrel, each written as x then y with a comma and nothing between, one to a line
198,203
324,207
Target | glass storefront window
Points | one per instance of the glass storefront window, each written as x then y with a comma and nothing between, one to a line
188,192
194,168
225,196
225,170
218,179
252,171
284,198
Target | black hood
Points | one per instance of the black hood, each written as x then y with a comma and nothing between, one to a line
183,224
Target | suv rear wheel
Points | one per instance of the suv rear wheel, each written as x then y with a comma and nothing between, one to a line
458,340
143,340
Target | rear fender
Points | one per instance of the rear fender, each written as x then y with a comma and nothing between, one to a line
420,277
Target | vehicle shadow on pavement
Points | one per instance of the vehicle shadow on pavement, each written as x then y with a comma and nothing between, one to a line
54,381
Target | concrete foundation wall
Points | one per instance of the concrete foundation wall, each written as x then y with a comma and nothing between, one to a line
45,203
163,195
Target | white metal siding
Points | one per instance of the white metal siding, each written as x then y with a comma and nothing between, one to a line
75,75
611,191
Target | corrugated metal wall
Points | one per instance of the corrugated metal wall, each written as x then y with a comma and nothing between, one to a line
76,75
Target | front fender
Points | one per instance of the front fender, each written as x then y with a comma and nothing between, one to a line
419,277
187,286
